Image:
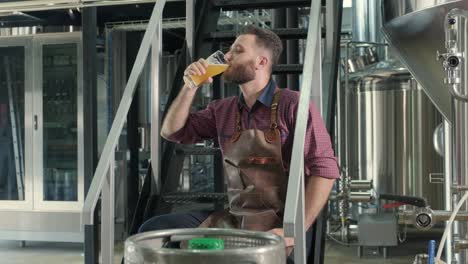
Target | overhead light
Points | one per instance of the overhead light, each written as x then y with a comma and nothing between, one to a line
71,14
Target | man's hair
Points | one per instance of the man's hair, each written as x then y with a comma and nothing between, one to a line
267,39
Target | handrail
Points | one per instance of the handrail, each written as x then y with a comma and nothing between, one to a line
294,210
120,117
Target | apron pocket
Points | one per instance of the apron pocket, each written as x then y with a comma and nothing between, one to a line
261,221
251,200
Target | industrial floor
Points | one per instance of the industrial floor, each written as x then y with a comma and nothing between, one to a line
72,253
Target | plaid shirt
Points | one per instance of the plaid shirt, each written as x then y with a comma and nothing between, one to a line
218,120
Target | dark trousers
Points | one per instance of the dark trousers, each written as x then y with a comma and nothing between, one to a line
193,220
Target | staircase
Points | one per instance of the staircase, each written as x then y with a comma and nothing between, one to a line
207,40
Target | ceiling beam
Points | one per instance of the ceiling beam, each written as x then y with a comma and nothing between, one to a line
39,5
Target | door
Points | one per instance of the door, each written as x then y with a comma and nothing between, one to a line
58,108
15,123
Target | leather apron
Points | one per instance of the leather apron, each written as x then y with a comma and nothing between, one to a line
256,179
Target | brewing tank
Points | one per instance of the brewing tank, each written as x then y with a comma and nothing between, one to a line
389,129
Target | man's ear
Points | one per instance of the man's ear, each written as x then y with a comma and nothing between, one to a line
262,61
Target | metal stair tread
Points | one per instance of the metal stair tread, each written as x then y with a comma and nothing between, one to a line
287,68
266,4
190,197
191,150
283,33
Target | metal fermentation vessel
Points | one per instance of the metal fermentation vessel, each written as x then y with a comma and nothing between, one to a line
390,129
417,31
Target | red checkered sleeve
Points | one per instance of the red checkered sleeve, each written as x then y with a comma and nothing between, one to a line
319,158
200,125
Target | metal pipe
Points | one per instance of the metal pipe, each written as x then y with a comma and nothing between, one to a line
453,64
459,188
360,185
456,77
437,215
445,215
360,9
344,204
459,245
361,197
447,183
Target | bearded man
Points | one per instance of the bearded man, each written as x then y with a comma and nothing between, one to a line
255,132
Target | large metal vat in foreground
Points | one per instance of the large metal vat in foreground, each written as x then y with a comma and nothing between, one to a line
240,247
390,125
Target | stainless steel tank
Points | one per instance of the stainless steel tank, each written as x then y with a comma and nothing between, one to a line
415,29
240,247
389,129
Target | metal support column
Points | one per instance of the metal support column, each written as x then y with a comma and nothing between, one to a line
279,21
91,240
89,18
331,61
292,47
448,184
294,209
107,216
131,171
156,57
89,27
190,28
218,167
316,93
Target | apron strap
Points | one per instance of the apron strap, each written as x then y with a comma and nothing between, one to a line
238,131
274,111
273,120
238,121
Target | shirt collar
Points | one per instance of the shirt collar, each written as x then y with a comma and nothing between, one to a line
266,97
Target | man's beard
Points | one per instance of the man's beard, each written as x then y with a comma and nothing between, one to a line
240,73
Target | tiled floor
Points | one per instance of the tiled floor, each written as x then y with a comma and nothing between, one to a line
72,253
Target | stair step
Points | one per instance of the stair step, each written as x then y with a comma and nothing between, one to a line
184,198
193,150
258,4
283,33
288,68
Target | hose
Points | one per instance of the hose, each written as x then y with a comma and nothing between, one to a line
448,227
342,242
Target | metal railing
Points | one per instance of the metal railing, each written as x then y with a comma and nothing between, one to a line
294,209
102,184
